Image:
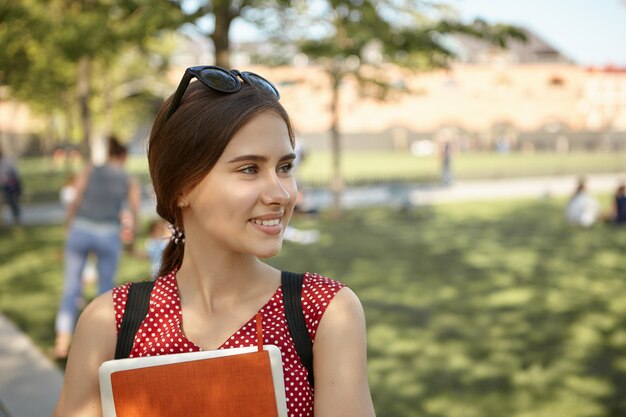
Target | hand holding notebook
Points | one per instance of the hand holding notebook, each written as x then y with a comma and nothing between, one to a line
235,382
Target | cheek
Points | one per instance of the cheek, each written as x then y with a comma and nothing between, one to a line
292,189
234,205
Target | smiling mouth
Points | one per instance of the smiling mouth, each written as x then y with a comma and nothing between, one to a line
273,222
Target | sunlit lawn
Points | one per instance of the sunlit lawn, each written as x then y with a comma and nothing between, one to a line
482,309
366,166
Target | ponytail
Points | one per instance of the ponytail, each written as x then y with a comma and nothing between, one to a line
172,258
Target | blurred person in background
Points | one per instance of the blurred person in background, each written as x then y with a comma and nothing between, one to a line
304,237
127,230
67,193
446,163
582,209
302,206
158,238
11,185
619,206
93,226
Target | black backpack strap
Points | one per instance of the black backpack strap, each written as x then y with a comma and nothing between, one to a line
292,299
136,309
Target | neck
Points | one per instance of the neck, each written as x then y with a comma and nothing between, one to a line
221,278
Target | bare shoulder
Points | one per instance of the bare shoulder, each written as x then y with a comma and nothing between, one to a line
96,327
340,360
93,343
100,310
344,310
342,327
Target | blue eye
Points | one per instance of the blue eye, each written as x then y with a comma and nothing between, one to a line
248,170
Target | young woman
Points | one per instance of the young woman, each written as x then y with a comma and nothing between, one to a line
220,156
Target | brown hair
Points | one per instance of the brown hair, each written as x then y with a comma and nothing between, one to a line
116,149
183,149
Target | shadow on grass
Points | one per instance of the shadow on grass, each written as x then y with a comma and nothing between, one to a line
482,310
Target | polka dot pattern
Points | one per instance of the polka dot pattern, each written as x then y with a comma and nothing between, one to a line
160,332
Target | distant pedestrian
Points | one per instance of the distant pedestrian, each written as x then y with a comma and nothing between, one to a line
582,209
446,163
11,185
302,205
619,206
93,225
67,193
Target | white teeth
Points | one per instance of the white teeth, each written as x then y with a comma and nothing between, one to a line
273,222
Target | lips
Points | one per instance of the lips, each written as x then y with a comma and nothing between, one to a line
273,222
269,224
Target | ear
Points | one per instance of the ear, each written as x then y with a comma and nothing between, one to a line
182,200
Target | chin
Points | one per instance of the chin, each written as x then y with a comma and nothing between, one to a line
269,251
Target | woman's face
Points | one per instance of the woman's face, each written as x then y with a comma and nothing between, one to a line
245,202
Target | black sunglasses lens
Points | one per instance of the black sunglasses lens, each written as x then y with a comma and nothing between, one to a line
220,80
262,83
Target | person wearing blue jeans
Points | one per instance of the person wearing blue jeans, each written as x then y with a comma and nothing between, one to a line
93,223
81,241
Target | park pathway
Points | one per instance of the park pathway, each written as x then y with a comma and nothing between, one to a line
467,190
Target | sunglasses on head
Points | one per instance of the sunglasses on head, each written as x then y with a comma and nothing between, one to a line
219,79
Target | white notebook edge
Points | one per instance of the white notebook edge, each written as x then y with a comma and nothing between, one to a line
109,367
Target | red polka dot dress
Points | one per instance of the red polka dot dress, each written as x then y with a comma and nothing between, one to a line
161,332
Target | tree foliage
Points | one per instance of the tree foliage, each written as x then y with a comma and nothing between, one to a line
222,14
53,49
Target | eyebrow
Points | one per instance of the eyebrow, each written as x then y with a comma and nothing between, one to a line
260,158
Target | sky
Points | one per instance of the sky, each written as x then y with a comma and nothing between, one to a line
590,32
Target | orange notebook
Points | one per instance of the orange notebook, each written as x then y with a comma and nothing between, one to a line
220,383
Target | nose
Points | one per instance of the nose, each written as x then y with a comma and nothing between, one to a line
277,191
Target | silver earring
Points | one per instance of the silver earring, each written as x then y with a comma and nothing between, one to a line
178,236
181,204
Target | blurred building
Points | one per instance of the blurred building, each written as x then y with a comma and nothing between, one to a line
527,97
17,124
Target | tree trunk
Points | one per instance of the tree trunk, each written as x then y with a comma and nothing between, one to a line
84,90
221,42
70,119
336,184
107,127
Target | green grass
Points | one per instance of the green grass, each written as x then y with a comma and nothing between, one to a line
490,309
386,165
483,309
